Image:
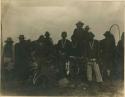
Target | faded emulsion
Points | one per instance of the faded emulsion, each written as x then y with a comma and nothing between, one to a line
77,64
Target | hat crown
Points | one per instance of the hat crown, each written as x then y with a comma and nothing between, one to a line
9,39
79,23
47,33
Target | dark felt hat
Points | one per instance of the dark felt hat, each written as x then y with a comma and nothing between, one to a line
64,32
107,33
21,37
9,40
47,33
80,23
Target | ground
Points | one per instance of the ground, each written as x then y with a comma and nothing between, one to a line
12,87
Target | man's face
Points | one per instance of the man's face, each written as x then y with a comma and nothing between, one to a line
86,29
21,39
79,26
64,36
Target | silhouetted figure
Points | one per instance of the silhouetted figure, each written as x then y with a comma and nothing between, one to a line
8,54
79,32
81,36
74,50
86,31
22,58
92,59
48,39
120,57
74,59
63,47
48,44
108,50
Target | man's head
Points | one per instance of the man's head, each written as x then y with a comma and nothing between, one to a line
87,28
21,38
91,35
47,34
79,24
64,35
9,40
41,38
107,34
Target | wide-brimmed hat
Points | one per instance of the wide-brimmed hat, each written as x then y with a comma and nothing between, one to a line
64,33
9,40
80,23
107,33
21,37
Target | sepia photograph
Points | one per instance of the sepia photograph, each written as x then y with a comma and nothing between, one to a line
62,48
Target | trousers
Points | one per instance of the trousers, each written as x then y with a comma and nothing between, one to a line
93,66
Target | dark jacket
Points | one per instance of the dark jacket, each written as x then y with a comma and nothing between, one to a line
8,50
92,49
64,48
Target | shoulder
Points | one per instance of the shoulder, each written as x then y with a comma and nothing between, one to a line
59,41
75,30
16,44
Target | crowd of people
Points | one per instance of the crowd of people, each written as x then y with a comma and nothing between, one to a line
83,58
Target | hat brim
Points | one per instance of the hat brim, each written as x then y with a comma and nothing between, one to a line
80,24
9,41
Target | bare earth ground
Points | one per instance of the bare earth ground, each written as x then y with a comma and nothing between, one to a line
11,87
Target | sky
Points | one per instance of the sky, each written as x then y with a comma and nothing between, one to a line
34,17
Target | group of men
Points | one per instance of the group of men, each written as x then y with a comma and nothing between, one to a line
80,58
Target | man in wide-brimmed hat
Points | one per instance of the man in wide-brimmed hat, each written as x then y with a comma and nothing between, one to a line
92,59
21,38
63,47
22,58
8,53
107,54
87,28
48,39
79,24
8,47
81,35
79,31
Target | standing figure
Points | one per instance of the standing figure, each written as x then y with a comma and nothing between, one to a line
22,58
48,44
107,54
74,59
8,54
86,31
81,36
92,59
79,32
120,57
63,47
